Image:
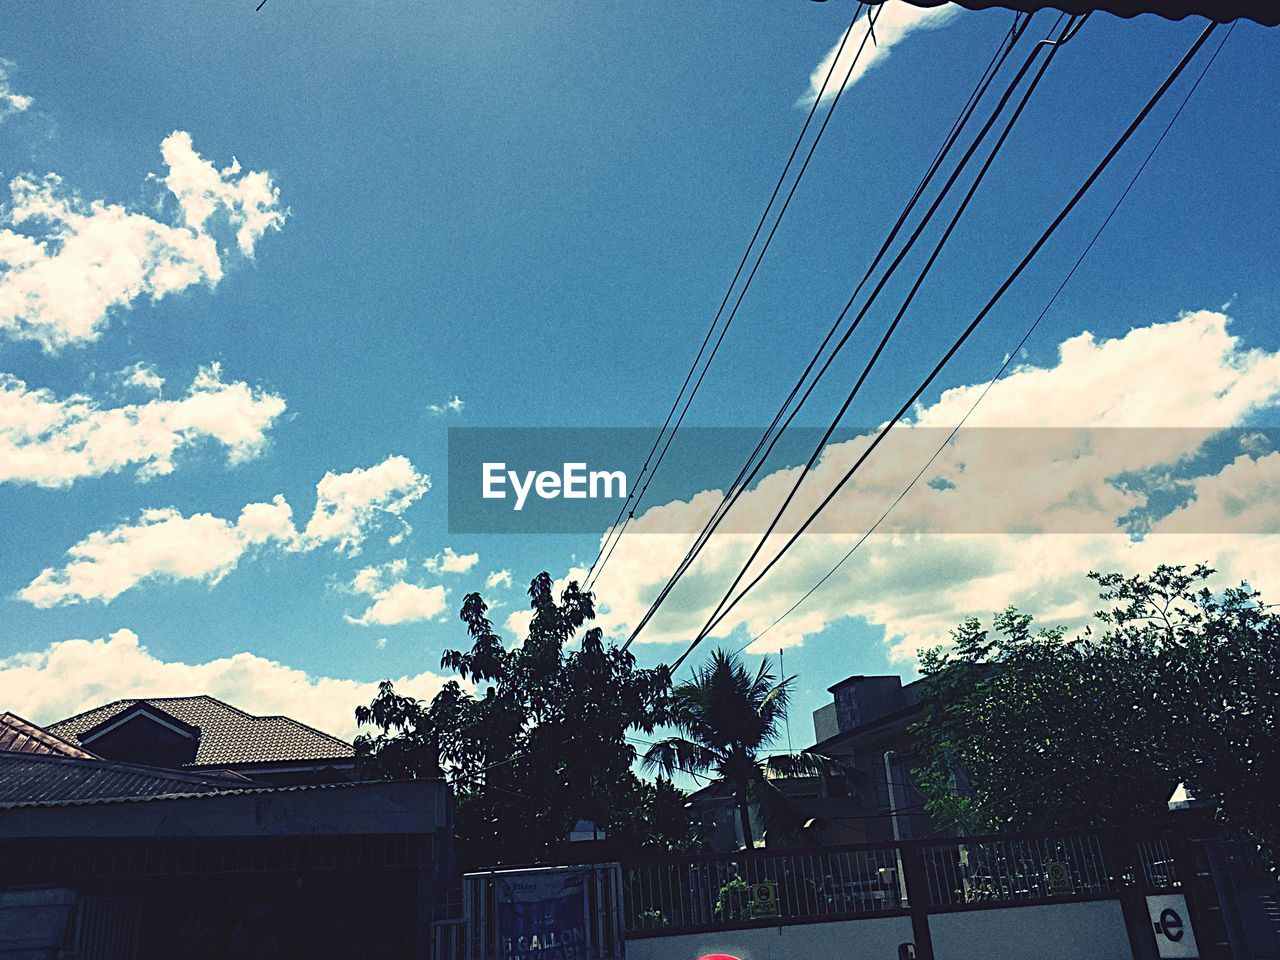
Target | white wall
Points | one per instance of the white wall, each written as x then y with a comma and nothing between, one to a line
872,939
1093,930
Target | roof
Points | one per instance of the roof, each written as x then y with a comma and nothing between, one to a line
1265,12
27,778
228,735
22,736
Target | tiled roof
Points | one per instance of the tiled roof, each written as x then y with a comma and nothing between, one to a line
228,736
23,736
35,778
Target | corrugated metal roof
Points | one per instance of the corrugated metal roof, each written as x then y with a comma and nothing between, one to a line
228,736
36,778
1266,12
22,736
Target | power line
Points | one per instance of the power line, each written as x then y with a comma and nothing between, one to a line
736,492
628,507
748,473
893,325
1013,353
982,314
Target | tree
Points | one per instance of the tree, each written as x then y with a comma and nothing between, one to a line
541,743
1176,684
726,718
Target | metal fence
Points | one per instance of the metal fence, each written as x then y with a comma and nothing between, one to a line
1158,867
705,892
984,871
107,928
449,940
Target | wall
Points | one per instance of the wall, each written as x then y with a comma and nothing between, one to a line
1092,930
845,940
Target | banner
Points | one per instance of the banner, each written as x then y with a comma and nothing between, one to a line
543,916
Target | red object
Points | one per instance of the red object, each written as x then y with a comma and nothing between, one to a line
717,956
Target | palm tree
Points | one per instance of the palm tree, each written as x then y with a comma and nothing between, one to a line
726,718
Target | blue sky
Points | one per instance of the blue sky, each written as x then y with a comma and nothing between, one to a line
535,208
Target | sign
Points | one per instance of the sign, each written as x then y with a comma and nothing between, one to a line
764,900
1059,877
1171,924
543,916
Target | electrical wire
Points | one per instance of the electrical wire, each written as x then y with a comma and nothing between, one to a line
724,609
736,492
748,471
628,508
893,326
1011,354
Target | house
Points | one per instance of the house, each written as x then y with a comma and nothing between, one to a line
867,728
101,858
204,734
22,736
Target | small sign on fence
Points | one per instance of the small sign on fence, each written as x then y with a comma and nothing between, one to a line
764,900
1059,877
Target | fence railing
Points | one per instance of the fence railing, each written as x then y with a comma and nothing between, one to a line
713,891
984,871
762,887
1158,867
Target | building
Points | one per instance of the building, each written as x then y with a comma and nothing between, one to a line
807,811
867,727
202,734
105,859
22,736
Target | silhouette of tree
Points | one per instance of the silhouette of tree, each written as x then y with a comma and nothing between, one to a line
1177,685
727,718
541,742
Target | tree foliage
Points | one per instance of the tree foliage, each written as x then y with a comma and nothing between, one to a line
726,718
541,742
1028,728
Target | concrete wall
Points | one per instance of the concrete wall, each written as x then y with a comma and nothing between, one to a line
875,939
1093,930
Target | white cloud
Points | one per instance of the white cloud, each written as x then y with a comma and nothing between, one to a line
896,19
395,600
349,504
162,545
1191,373
517,624
402,602
142,376
53,442
10,101
453,405
249,199
166,545
498,578
67,263
450,562
369,580
69,676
